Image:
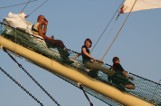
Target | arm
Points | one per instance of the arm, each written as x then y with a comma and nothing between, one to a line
118,67
41,31
45,27
124,72
87,54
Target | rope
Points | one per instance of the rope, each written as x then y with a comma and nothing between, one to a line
37,8
106,27
91,104
118,31
105,42
14,5
21,86
38,84
26,5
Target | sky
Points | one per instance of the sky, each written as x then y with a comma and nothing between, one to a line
72,21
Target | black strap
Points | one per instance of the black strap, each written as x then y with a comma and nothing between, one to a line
34,28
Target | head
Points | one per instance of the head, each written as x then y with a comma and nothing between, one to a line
116,60
41,18
88,43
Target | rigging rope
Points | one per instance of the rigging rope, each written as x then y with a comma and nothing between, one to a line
107,26
91,104
33,79
14,5
105,39
26,5
37,8
118,31
9,76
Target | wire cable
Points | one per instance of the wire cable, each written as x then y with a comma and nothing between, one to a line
91,104
33,79
24,89
26,5
14,5
118,31
107,26
37,8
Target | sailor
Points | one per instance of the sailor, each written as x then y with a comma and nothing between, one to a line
90,62
40,28
121,76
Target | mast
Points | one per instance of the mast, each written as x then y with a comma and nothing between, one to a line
65,71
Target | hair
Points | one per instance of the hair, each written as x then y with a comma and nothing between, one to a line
115,59
89,40
39,17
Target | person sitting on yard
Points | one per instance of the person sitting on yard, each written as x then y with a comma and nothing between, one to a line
121,76
90,62
40,28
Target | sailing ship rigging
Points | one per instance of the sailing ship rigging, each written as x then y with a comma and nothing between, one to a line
22,36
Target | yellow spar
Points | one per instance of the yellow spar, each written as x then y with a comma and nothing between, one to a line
55,67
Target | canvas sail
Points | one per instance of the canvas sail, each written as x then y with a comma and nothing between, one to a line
140,5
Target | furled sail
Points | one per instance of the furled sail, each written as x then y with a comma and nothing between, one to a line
140,5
